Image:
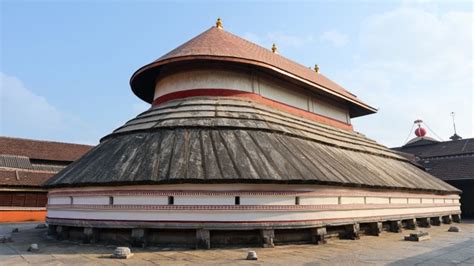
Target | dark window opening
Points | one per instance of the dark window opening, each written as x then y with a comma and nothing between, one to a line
237,200
111,200
297,200
170,200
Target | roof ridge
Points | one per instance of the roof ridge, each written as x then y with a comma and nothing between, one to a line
45,141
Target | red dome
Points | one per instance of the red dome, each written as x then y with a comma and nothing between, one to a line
420,132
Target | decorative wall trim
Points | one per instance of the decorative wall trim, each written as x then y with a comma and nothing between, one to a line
171,192
328,207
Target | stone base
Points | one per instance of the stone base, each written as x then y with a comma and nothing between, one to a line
319,235
447,219
456,218
396,226
375,229
203,239
420,236
411,224
62,232
267,236
424,222
91,235
138,238
351,231
436,221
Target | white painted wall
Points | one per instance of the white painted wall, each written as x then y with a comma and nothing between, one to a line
274,91
414,200
399,200
234,80
59,200
103,200
352,200
427,201
438,201
268,200
377,200
141,200
204,200
319,200
324,198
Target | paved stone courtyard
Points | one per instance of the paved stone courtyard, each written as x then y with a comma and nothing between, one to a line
444,248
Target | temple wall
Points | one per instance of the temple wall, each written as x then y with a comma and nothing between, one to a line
257,203
248,82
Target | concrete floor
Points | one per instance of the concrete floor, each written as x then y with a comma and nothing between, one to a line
444,248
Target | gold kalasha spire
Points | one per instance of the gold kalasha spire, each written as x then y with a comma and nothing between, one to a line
219,23
316,68
274,49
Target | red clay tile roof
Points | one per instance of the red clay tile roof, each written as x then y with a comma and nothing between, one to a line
217,44
42,150
18,178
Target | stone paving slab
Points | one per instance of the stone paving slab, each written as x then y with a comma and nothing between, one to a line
444,248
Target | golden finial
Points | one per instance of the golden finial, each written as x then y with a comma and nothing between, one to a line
219,23
274,49
316,68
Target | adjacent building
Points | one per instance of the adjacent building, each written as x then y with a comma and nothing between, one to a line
451,161
240,145
25,165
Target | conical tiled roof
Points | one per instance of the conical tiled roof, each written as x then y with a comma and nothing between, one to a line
216,44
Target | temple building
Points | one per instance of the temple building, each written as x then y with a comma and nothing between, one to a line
25,165
451,161
241,146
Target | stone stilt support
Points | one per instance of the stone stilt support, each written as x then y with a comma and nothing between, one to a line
138,238
424,222
62,232
319,235
351,231
51,230
411,224
456,218
375,229
267,236
203,239
447,219
436,221
90,235
396,226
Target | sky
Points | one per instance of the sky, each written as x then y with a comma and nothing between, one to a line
65,65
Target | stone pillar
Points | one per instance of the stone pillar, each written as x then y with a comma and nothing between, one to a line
351,231
456,218
138,238
424,222
411,224
90,235
51,230
447,219
436,221
62,232
203,239
375,229
267,236
319,235
396,226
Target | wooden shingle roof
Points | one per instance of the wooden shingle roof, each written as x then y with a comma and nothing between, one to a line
233,140
217,44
